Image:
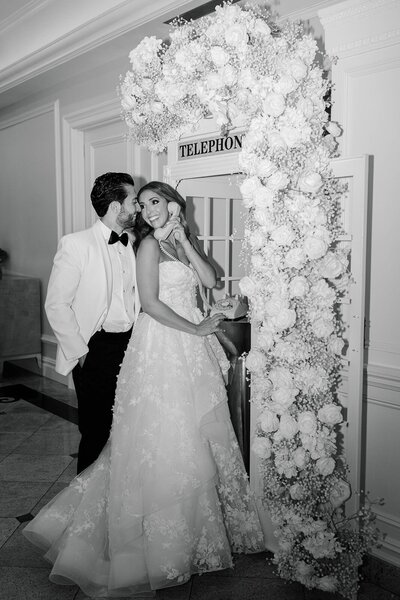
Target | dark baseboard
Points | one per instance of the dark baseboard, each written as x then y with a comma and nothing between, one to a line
381,573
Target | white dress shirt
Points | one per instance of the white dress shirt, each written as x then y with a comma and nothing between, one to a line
121,313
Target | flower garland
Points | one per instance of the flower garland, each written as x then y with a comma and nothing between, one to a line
242,68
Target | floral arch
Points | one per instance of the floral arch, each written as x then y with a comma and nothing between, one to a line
242,68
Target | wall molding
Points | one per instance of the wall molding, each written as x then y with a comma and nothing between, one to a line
74,125
33,113
27,115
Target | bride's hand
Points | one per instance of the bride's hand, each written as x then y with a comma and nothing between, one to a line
178,233
209,324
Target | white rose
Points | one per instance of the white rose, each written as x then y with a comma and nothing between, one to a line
322,328
258,263
262,28
310,182
336,345
325,465
298,69
269,421
331,266
314,247
295,258
331,414
249,187
278,181
228,13
291,135
263,217
283,235
285,85
274,104
323,292
327,583
247,286
265,168
236,35
307,422
283,398
257,239
246,79
255,361
298,287
261,446
265,337
274,305
339,493
228,75
214,81
128,102
281,377
215,31
288,426
263,198
312,378
306,106
181,57
285,319
303,569
296,491
275,140
300,458
333,128
219,56
147,84
144,53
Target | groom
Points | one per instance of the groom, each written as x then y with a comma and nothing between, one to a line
92,303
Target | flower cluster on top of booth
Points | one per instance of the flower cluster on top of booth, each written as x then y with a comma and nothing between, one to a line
242,68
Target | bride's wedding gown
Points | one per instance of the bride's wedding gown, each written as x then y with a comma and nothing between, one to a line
169,495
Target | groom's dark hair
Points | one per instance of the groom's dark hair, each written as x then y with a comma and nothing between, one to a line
107,188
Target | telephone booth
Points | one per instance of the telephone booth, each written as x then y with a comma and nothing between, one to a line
204,169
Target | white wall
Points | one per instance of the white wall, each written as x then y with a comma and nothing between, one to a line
365,36
28,194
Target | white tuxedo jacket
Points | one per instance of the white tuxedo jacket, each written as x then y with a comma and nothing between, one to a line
79,293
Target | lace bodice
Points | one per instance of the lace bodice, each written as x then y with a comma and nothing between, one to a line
178,285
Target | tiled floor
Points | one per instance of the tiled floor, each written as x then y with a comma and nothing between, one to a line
38,442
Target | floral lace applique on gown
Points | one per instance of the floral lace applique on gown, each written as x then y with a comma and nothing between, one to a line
168,496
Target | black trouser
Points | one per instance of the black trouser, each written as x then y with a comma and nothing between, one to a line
95,385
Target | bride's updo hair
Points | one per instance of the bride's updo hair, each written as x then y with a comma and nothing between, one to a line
166,191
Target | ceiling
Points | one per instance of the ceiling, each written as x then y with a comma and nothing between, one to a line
45,42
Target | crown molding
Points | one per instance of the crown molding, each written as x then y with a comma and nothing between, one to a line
306,13
366,44
352,8
359,26
26,115
23,13
100,30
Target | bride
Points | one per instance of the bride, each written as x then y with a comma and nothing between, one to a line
168,496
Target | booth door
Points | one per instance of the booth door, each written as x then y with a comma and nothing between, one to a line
216,215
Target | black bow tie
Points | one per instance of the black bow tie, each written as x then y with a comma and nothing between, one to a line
114,237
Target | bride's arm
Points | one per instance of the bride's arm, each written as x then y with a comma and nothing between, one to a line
147,273
196,257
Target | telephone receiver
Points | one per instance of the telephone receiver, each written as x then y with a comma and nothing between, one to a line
163,232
